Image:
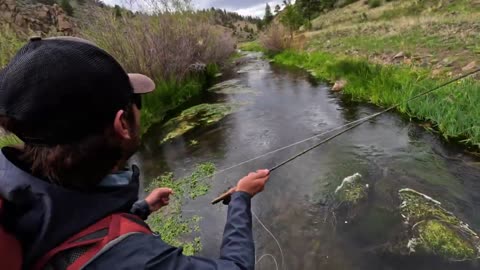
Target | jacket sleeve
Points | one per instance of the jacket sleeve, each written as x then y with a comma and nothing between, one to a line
140,209
141,251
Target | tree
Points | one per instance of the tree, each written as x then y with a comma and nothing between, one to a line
277,9
65,4
268,14
118,11
291,18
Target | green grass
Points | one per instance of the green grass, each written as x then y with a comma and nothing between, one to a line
10,43
454,109
253,46
171,94
169,222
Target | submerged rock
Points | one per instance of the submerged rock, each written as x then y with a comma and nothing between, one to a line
432,230
197,116
352,190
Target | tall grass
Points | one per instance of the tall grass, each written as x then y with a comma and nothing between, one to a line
164,46
10,43
453,109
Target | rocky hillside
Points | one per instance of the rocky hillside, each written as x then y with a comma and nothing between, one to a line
37,18
440,35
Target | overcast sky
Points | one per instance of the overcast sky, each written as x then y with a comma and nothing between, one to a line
244,7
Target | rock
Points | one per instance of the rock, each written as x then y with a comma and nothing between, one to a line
470,66
39,17
432,230
398,55
407,61
436,72
339,85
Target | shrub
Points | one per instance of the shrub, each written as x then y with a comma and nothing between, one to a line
163,46
276,39
67,7
374,3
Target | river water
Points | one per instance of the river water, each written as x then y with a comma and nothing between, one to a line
281,106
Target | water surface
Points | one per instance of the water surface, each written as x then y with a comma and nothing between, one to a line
281,106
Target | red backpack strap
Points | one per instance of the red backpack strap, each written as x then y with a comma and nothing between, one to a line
95,238
10,248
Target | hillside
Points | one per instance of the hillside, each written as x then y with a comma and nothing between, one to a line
441,35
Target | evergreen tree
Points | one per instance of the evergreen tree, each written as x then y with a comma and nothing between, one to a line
277,9
268,14
118,11
65,5
291,18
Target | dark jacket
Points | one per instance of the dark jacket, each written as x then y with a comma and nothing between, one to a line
42,216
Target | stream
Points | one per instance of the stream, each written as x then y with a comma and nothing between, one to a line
280,106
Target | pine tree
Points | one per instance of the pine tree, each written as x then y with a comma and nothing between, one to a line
268,14
277,9
67,7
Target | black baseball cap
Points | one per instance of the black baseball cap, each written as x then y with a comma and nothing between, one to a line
60,90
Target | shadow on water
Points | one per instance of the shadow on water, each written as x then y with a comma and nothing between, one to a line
285,106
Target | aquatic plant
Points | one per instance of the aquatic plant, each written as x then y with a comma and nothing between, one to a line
434,230
200,115
352,190
169,222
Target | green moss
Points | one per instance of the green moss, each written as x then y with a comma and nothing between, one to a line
174,228
417,207
436,231
352,190
197,116
445,242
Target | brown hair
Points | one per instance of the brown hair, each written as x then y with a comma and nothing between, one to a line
81,165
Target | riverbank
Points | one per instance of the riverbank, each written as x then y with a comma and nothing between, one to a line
452,110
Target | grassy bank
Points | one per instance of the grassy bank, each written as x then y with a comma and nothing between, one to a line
453,110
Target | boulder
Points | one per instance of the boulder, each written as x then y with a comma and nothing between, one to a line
339,85
470,66
399,56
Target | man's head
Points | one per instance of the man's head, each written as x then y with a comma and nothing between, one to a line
75,108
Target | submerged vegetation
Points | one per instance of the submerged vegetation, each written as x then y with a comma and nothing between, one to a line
197,116
169,222
434,230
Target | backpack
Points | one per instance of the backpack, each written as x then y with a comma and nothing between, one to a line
10,250
79,250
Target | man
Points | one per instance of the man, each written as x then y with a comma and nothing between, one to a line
78,114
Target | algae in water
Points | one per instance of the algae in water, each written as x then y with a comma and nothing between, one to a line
436,231
197,116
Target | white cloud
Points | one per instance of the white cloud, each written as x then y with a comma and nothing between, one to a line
257,10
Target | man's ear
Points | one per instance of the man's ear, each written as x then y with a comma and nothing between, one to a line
120,126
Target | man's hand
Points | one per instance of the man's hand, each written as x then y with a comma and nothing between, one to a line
253,183
158,198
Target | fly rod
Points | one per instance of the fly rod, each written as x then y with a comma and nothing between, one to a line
226,196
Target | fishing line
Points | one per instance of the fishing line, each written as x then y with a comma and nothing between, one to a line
350,126
276,241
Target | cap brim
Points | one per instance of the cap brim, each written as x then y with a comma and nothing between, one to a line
141,84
